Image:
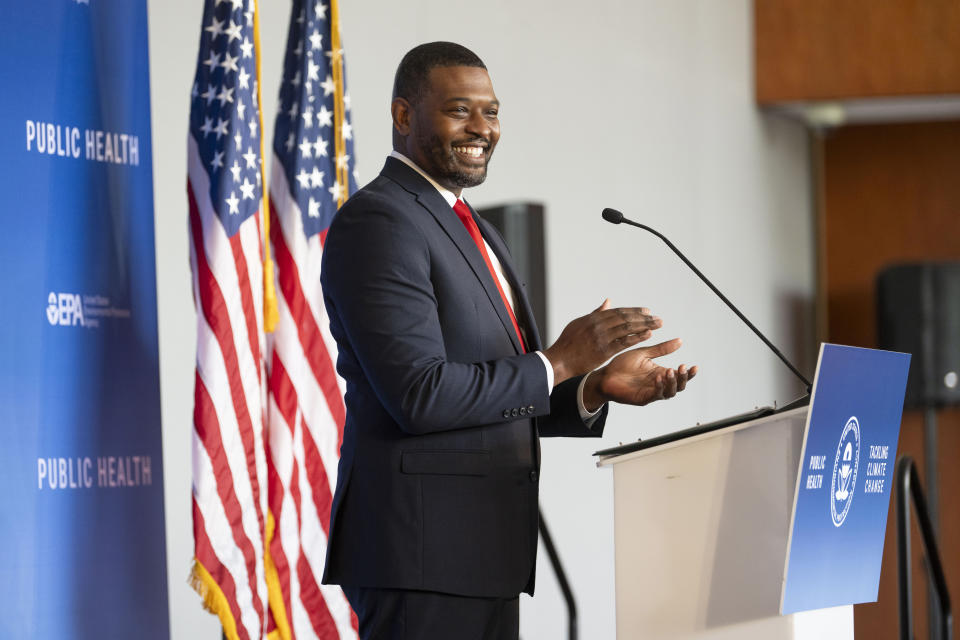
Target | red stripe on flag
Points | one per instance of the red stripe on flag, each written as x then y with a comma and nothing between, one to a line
286,398
310,595
208,431
308,332
216,314
312,599
246,298
286,403
284,394
207,557
319,481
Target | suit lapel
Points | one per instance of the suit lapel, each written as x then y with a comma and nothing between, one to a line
523,310
431,200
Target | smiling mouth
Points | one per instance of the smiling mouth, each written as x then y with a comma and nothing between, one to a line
471,152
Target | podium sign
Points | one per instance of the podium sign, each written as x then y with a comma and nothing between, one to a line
843,488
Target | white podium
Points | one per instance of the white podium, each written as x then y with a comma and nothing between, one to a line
701,530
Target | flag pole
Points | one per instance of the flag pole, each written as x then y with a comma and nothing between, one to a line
336,61
270,313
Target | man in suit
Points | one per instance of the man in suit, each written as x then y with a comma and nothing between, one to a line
433,530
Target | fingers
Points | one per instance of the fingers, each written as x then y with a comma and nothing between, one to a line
621,342
662,349
669,385
626,321
606,305
621,338
613,330
671,382
633,320
607,316
684,375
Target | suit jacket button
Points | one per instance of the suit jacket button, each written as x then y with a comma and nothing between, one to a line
534,475
530,409
515,413
506,413
523,411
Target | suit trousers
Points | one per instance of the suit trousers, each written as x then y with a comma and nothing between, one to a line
398,614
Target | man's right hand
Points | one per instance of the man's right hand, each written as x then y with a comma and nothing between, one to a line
591,340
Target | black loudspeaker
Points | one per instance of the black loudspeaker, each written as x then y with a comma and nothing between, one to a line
918,312
521,225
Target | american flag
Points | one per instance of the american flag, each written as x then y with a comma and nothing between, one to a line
224,186
311,176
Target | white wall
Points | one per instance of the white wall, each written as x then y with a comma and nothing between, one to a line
642,105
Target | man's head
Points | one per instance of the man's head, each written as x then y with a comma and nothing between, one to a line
445,114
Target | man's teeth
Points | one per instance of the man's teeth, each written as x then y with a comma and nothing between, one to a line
475,152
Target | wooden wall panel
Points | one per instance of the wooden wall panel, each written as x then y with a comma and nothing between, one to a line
892,193
827,49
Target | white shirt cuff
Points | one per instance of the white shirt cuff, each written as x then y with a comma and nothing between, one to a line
546,363
588,417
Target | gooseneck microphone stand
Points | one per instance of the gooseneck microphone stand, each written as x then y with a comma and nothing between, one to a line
615,217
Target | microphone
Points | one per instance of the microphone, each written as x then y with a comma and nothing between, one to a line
612,215
615,217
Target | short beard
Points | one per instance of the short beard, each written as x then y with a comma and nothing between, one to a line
445,168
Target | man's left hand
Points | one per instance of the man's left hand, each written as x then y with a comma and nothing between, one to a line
634,378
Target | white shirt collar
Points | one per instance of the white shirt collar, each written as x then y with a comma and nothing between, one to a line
448,195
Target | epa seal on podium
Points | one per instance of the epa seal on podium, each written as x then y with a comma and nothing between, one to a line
845,467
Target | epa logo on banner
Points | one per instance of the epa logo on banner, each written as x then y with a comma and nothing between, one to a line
845,467
75,310
65,309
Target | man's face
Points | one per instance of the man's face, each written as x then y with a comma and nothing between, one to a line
454,126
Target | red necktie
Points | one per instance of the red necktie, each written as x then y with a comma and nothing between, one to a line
463,212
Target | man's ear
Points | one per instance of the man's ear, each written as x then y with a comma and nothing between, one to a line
401,112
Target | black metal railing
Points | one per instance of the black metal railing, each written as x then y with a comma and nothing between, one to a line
908,486
561,578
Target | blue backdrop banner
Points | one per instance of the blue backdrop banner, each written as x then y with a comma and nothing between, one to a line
82,525
846,475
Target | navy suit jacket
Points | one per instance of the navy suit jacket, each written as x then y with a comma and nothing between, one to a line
439,467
